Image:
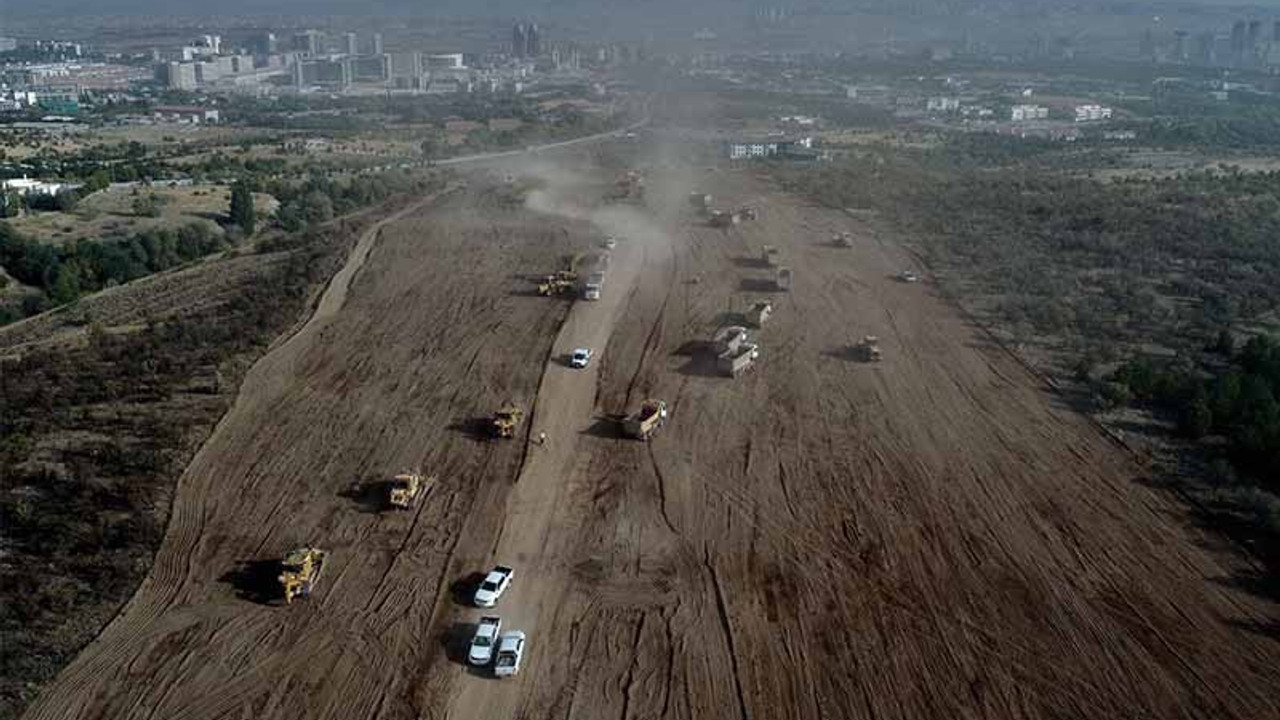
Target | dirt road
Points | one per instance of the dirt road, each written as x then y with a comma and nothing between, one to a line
933,536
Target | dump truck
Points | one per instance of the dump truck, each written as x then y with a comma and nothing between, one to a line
759,313
406,488
300,570
552,285
738,360
729,339
769,255
868,349
722,219
746,212
700,202
506,420
782,280
594,286
628,187
644,422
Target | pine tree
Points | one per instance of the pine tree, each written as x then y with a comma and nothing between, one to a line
242,212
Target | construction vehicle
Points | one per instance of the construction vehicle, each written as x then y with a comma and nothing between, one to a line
300,570
769,256
553,285
746,212
406,488
842,240
628,187
729,339
644,422
594,286
759,313
782,280
700,202
506,420
722,219
868,349
738,360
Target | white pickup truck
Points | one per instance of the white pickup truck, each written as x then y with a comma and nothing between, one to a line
483,642
493,585
510,653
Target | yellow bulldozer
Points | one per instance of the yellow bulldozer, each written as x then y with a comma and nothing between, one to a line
406,488
300,570
506,420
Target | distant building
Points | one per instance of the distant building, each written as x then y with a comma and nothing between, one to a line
1090,113
942,104
369,69
24,186
326,73
8,44
351,43
309,42
404,64
526,40
180,76
444,61
519,40
185,114
1019,113
765,148
264,44
375,44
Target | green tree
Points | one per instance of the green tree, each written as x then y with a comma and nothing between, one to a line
146,206
317,207
67,201
99,180
242,210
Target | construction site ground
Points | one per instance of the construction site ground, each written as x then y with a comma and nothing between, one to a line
931,536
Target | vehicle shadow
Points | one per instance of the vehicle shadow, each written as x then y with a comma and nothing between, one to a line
369,494
257,581
474,428
700,365
749,261
757,285
607,426
464,588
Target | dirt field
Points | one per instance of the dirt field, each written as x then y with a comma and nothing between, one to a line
932,536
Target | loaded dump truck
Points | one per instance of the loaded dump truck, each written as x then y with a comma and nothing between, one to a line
506,420
738,360
769,256
729,338
644,422
783,279
759,313
594,286
722,219
300,570
868,349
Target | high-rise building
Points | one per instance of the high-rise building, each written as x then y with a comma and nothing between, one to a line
1238,30
264,44
1206,46
1147,46
375,44
180,76
310,42
1179,45
351,43
519,41
533,47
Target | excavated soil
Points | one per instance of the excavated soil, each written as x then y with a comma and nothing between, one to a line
931,536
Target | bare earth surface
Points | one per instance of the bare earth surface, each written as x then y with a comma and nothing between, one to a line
932,536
